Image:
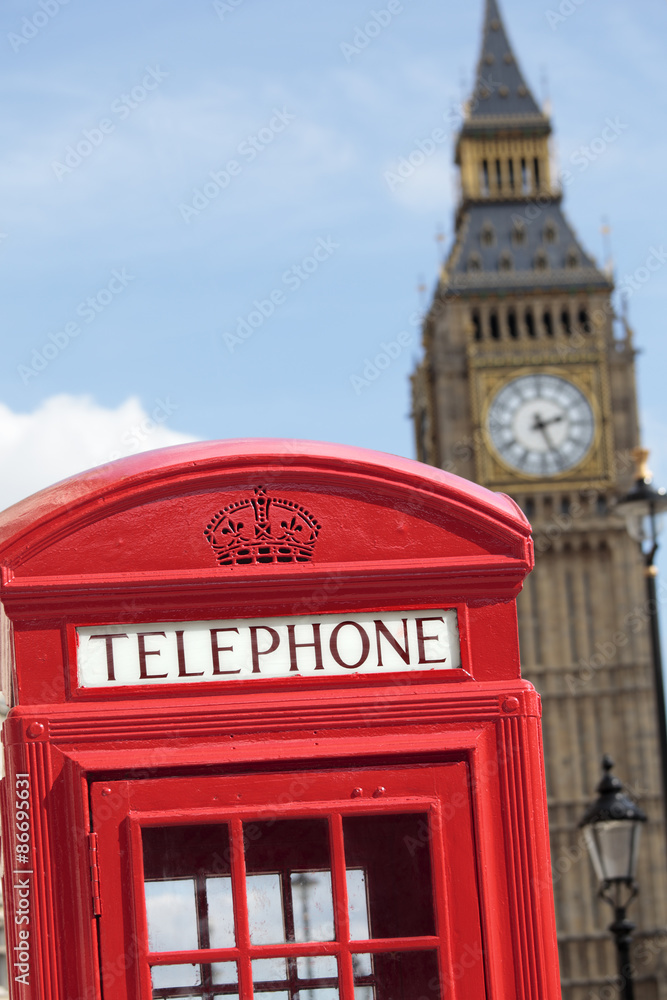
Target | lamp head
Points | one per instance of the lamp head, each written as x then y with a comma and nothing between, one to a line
612,825
642,502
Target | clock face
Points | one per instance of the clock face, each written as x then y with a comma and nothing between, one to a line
541,425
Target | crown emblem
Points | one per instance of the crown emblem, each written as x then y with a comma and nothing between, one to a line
262,529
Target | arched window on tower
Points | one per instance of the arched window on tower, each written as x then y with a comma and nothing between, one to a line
476,324
484,178
547,319
518,232
536,173
488,235
565,321
584,320
550,233
541,262
530,323
512,324
499,176
505,261
510,173
525,177
494,325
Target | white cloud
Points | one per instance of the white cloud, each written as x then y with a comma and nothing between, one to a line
68,434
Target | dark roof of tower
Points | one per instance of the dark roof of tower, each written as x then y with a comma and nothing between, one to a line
519,247
501,95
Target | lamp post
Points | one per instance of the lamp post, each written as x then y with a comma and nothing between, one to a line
642,510
612,825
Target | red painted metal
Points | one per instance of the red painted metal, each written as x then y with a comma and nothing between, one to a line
126,544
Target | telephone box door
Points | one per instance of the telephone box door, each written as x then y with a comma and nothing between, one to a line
302,885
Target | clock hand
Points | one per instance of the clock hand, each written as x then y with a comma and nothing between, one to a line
541,425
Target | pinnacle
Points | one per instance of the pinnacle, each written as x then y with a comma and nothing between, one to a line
500,87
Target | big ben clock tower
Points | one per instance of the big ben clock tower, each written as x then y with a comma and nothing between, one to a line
527,385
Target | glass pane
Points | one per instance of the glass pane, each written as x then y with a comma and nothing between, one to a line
312,902
170,981
171,913
282,995
394,854
362,965
328,993
397,976
357,897
289,881
269,970
165,976
317,967
224,974
317,977
220,912
188,887
180,851
265,909
303,976
615,848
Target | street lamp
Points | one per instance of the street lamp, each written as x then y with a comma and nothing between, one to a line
642,509
612,825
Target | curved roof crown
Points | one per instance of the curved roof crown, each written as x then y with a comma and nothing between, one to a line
168,514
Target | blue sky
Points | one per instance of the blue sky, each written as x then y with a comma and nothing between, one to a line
114,116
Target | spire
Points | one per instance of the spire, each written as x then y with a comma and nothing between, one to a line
501,93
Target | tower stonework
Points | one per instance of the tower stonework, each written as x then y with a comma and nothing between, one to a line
527,385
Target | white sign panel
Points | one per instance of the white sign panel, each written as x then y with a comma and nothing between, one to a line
247,649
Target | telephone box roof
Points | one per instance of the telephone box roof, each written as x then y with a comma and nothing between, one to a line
95,494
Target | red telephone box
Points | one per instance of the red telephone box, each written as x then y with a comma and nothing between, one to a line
268,734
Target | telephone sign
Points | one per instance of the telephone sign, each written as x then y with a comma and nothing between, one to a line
324,645
268,736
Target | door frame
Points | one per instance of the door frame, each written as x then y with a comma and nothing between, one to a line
121,808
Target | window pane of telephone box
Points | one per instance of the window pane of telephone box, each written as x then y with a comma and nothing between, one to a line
288,881
312,905
166,976
317,977
171,981
224,974
269,970
317,967
403,975
393,853
171,914
325,993
188,887
357,901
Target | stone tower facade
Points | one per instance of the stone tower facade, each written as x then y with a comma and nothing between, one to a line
527,385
